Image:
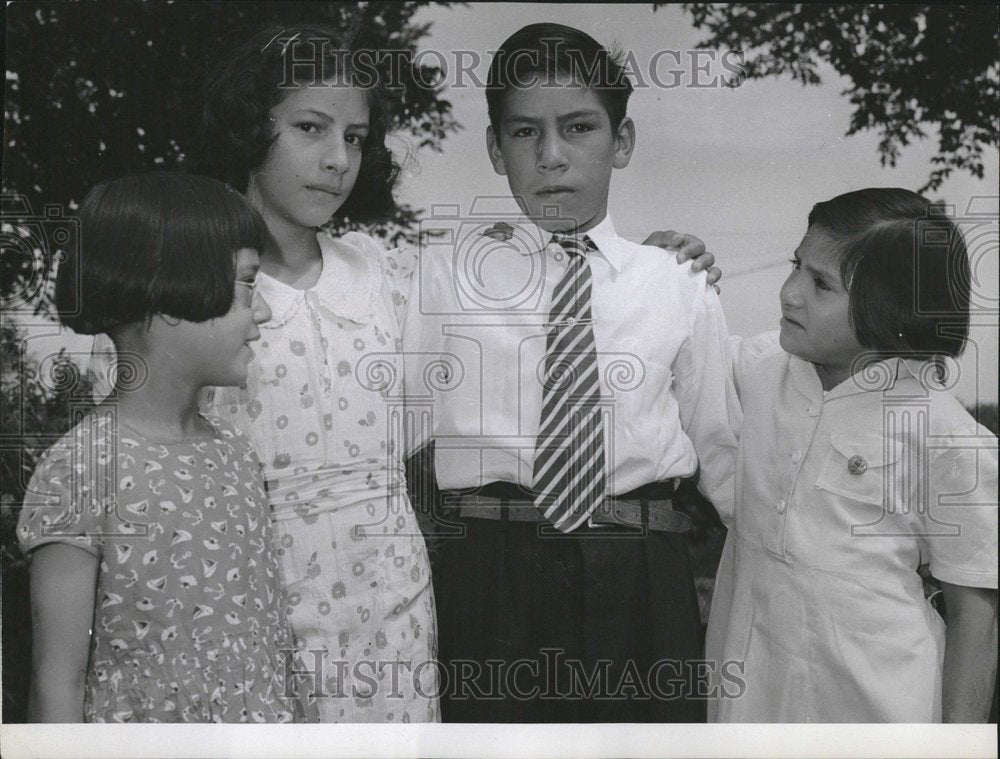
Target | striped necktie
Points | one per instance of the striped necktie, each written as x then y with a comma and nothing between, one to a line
568,473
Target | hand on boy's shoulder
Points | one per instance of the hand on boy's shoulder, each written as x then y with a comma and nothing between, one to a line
687,247
654,258
650,272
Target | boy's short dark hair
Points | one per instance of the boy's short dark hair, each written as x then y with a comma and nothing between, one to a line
253,77
906,269
537,52
160,243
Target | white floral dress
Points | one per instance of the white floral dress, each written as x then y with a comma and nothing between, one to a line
188,623
317,408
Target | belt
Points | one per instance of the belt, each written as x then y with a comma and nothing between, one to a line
649,506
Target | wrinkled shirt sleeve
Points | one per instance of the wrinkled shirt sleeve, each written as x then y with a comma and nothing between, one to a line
961,513
705,391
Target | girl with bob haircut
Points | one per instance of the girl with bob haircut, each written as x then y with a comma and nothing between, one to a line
856,467
152,246
154,587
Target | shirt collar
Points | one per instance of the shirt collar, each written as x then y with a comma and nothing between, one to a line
804,378
607,241
878,376
604,236
882,376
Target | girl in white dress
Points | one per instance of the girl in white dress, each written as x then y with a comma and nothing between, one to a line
855,467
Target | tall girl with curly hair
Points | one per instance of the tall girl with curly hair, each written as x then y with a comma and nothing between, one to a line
305,144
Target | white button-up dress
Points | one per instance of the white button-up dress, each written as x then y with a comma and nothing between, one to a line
819,614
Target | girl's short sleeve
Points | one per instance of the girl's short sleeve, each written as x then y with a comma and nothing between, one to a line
961,516
65,502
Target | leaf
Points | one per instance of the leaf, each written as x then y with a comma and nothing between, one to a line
914,69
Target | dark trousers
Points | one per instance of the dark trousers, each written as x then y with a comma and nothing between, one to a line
598,626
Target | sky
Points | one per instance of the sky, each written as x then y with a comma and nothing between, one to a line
740,168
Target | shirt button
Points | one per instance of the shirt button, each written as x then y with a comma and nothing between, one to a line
812,411
570,321
781,506
796,457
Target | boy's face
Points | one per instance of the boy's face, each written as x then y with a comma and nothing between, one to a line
556,146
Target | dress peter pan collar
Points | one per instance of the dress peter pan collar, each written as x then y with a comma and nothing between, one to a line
347,287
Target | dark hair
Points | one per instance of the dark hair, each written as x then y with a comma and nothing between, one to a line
906,270
236,132
550,49
161,243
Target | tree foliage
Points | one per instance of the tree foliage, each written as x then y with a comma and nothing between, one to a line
99,90
911,66
38,404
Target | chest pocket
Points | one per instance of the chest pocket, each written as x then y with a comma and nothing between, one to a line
860,467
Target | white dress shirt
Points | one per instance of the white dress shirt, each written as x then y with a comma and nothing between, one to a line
474,339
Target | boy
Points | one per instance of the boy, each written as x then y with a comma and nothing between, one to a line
578,373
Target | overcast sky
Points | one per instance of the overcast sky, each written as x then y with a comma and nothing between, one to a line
740,168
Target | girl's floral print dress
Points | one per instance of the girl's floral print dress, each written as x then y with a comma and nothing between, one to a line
188,625
318,407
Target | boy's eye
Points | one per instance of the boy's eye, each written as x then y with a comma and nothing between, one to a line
524,132
581,128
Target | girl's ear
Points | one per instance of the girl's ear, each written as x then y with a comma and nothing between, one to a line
493,148
624,143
